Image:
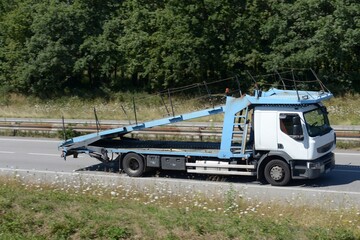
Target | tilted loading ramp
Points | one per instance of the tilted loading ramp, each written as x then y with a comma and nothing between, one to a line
231,109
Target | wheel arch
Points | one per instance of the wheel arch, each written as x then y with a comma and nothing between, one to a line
266,158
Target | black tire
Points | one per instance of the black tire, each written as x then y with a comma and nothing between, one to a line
133,165
277,173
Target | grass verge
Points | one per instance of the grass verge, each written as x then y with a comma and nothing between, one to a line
353,145
120,107
87,211
342,110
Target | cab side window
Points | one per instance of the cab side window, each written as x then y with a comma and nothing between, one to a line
290,125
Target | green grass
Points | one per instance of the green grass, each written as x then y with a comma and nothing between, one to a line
72,211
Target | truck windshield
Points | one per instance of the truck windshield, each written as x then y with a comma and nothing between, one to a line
317,122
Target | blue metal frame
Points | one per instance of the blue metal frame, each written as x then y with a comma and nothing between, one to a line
231,108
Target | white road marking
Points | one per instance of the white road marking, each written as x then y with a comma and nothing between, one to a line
29,170
74,172
6,152
45,154
348,154
49,154
29,140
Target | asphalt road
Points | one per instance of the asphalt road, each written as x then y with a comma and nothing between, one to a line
30,156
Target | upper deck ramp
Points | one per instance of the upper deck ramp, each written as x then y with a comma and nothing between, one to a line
271,97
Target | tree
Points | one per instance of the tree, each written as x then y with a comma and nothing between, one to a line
55,47
15,22
52,49
319,34
97,55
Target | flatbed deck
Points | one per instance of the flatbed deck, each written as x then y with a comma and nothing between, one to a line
147,144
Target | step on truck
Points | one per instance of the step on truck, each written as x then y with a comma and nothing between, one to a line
276,135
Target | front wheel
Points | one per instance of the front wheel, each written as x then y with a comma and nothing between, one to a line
277,172
133,165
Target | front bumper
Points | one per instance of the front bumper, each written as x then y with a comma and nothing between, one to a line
304,169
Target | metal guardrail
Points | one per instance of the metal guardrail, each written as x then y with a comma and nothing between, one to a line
198,130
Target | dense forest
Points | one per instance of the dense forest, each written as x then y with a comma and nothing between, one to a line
50,48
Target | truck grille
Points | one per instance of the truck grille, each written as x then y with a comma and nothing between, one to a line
325,147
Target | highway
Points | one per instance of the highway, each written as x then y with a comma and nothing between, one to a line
36,157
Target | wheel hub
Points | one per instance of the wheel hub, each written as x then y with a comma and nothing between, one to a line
276,173
134,165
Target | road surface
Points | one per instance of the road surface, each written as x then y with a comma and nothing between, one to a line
38,157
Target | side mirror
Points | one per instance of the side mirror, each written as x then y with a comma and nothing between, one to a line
298,133
297,129
324,109
296,120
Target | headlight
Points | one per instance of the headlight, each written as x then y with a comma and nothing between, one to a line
311,165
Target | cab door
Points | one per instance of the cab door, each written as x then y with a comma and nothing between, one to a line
291,135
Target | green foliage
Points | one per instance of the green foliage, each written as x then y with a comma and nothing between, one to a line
51,48
323,35
230,199
68,133
114,232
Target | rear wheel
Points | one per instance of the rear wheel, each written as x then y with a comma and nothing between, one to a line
277,172
133,165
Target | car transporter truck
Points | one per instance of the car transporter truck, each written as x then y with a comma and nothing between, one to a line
276,135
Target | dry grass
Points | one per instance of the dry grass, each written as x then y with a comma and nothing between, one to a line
148,107
342,110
